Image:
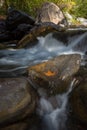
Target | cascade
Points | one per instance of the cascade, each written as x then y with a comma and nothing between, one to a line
14,62
54,119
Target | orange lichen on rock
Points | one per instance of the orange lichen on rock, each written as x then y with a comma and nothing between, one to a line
49,73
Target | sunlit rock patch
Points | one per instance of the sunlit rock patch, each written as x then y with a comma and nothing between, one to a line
50,12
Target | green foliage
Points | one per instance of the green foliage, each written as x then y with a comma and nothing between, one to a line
74,21
78,8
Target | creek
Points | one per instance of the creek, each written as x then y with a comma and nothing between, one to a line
54,118
14,62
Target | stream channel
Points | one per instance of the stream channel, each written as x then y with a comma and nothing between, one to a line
13,63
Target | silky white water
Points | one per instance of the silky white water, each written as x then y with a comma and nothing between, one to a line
54,119
14,62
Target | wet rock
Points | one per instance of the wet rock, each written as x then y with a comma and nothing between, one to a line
56,74
82,73
16,25
78,102
78,97
20,31
4,33
16,17
2,26
38,30
17,100
50,12
81,45
5,36
75,39
60,33
18,126
9,44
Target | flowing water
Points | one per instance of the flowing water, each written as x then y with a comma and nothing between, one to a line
54,119
14,63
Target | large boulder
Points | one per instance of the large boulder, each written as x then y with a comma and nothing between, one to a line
17,100
20,31
56,74
50,12
16,17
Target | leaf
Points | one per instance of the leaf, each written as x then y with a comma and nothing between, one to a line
49,73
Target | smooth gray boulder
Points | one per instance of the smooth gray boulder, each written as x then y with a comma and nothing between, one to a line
50,12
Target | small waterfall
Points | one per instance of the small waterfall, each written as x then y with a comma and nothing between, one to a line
79,43
75,43
51,44
54,119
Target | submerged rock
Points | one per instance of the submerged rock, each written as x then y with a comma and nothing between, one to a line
50,12
56,74
17,100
